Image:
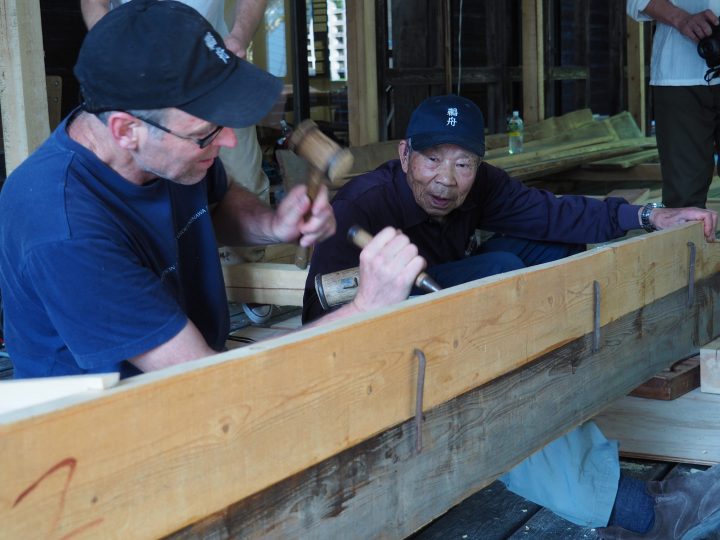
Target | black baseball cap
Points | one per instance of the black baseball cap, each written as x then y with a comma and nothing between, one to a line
152,54
447,119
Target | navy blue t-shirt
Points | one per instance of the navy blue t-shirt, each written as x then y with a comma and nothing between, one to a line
95,270
496,203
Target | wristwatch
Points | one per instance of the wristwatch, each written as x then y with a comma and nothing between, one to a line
645,215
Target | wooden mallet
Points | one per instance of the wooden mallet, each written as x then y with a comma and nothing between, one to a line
327,160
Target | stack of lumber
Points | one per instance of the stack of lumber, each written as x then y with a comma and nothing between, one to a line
575,139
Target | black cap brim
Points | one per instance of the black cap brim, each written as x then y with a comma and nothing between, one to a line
244,98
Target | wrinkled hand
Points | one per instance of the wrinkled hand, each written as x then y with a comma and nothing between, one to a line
698,25
288,223
389,265
663,218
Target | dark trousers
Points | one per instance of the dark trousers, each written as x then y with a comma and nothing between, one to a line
497,255
687,125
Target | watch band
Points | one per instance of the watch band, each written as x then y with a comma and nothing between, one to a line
645,216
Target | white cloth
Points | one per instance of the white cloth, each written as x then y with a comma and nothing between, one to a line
212,10
675,60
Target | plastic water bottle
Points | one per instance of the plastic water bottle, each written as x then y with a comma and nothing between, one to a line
515,134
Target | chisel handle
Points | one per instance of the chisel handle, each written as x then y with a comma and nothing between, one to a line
361,238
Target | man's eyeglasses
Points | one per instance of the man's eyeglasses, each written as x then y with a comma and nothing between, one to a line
202,143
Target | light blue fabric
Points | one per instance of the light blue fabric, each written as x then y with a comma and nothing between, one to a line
576,476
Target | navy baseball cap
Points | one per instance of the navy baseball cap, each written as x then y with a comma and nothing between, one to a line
152,54
447,119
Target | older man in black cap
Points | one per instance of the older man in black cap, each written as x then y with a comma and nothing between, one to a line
109,230
439,193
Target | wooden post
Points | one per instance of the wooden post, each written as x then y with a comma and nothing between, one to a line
636,72
23,94
533,61
362,73
447,45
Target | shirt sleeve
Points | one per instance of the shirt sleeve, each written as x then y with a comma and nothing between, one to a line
511,207
635,8
104,304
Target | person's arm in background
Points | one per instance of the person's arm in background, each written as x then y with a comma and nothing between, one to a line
93,11
694,26
248,14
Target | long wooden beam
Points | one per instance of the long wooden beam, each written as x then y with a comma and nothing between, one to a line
166,449
636,71
533,61
385,484
23,94
362,73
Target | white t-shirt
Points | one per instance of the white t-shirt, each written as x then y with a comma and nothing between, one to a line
675,60
212,10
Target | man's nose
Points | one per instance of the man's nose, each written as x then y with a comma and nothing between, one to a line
226,138
446,172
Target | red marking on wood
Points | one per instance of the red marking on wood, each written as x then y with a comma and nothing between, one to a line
71,464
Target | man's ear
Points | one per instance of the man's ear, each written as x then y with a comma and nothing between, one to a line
125,129
404,152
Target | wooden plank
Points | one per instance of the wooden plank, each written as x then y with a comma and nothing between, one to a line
22,393
23,95
671,383
636,71
585,135
533,61
625,126
646,172
385,483
362,73
624,162
546,129
370,156
567,159
682,430
171,447
541,151
493,513
265,283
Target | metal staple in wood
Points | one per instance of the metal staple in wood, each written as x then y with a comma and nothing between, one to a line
691,273
596,318
419,399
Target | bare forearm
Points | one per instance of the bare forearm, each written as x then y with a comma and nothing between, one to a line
188,345
248,14
93,11
665,12
242,219
694,26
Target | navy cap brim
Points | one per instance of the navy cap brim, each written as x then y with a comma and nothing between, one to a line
244,98
423,141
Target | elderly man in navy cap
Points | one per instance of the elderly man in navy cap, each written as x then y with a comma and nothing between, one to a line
439,193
